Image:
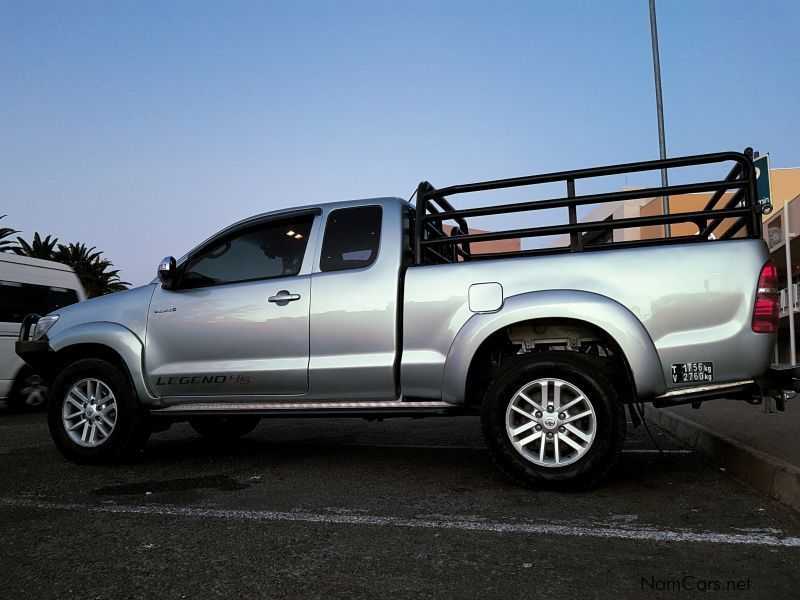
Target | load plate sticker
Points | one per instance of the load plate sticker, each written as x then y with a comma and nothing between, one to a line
692,371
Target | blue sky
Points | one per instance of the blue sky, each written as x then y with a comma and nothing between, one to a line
144,127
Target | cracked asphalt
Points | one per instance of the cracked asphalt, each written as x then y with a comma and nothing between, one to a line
354,509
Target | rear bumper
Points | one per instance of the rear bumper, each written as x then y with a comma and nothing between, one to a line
779,378
780,382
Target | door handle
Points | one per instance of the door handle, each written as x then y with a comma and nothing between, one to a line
283,298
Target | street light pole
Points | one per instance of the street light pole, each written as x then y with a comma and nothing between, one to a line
662,144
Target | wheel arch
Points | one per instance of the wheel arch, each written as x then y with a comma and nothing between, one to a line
107,341
587,311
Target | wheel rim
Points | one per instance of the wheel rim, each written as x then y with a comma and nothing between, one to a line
34,391
89,412
551,422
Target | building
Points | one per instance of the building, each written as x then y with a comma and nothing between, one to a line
512,245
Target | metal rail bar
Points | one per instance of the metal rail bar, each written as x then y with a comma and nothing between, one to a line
650,165
690,188
419,224
732,201
696,218
734,229
447,208
575,238
684,239
433,207
734,173
444,259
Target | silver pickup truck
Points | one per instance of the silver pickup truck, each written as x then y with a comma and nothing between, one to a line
380,308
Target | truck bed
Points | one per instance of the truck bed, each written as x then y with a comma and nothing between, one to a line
694,300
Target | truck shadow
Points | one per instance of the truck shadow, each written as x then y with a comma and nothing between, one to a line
349,458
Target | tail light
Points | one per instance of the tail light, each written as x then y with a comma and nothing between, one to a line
765,313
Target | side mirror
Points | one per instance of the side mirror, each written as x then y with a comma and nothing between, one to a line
167,273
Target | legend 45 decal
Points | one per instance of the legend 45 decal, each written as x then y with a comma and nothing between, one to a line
202,379
692,372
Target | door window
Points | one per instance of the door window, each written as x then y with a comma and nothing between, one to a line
275,249
352,238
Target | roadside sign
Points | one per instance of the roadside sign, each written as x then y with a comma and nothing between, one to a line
763,189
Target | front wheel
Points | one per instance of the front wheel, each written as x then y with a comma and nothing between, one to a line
554,420
94,415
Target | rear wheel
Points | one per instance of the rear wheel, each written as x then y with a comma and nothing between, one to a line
553,420
224,429
94,415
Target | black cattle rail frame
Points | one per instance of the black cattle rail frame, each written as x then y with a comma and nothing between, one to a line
432,245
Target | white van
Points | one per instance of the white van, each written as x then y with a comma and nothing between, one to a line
28,285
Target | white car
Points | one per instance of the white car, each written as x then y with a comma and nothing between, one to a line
28,285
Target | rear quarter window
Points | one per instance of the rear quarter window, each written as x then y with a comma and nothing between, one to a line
352,238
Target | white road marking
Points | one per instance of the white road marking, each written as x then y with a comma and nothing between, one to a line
452,447
648,451
457,523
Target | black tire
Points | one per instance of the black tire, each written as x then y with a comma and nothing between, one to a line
130,431
584,372
29,392
224,429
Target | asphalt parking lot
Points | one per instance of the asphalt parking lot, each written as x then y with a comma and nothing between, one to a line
356,509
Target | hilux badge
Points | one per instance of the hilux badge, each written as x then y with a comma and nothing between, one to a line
165,310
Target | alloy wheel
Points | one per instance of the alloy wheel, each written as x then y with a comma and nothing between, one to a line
89,412
551,422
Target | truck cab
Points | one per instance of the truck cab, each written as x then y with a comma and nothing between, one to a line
288,305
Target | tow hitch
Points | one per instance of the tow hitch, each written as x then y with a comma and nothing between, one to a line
780,383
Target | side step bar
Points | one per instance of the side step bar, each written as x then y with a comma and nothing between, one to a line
367,409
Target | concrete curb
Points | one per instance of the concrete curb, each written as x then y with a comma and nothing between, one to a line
765,473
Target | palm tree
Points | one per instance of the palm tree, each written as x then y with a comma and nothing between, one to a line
39,248
92,270
77,256
108,281
6,245
96,273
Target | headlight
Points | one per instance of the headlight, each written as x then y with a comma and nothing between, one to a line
43,325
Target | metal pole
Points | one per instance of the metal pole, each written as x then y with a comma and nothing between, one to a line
662,144
790,299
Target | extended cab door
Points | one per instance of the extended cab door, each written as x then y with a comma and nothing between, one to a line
355,303
237,323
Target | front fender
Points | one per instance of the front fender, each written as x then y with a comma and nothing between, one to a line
114,336
603,312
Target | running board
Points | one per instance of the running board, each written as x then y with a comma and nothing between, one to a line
368,409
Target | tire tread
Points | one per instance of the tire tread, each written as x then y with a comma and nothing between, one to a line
510,464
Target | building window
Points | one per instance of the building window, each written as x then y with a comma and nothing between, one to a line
775,231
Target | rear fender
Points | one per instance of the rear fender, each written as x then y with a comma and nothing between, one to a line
597,310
